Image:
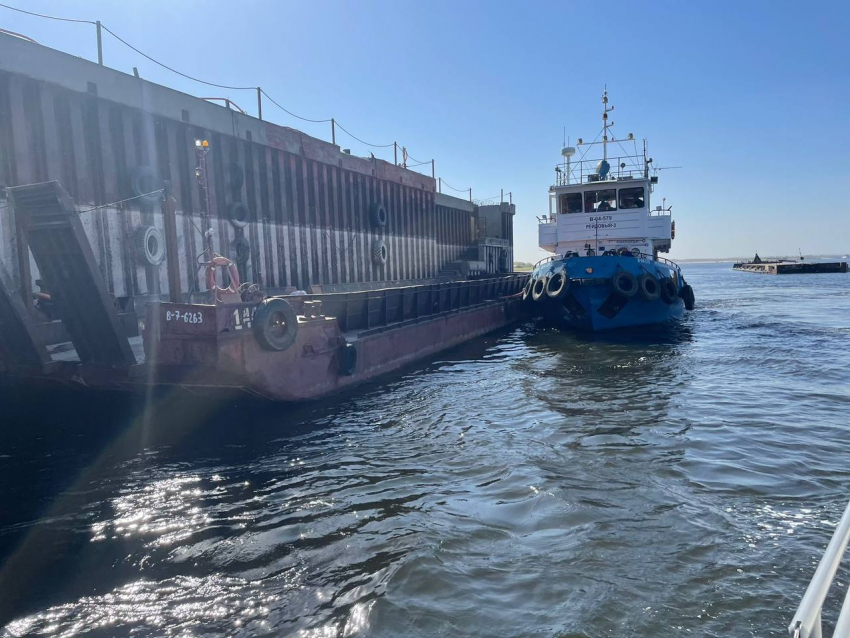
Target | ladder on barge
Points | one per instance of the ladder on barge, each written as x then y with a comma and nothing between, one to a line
52,230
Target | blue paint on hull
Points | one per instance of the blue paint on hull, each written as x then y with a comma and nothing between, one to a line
592,291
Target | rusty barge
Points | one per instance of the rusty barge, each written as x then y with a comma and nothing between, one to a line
122,199
789,267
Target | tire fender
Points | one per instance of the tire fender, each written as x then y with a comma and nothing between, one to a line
379,252
275,324
650,288
378,214
558,284
144,180
150,244
668,290
239,214
539,287
347,359
624,284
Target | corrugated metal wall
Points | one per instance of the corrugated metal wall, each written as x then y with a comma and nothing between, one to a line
309,219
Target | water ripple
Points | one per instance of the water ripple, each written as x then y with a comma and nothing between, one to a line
680,481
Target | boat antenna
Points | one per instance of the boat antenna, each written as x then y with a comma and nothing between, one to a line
605,124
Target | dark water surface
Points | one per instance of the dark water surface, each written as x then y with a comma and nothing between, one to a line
529,484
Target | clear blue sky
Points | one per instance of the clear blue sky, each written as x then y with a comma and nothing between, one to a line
750,97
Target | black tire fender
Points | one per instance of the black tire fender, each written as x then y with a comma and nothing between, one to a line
275,324
668,290
379,252
624,284
145,183
649,287
558,284
378,214
239,214
687,295
347,359
150,244
526,290
539,287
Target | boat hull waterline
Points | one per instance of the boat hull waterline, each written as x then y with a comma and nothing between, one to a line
592,301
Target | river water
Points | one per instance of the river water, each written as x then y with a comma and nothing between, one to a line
531,483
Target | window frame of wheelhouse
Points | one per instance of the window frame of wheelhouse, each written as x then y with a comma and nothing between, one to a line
620,195
614,203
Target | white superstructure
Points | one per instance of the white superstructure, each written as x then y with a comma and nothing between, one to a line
598,205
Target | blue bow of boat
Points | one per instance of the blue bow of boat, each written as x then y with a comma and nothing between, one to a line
608,291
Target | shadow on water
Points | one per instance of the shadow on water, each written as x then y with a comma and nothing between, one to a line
75,447
56,454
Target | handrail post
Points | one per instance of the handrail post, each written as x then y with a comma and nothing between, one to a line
99,44
333,131
808,614
842,625
259,103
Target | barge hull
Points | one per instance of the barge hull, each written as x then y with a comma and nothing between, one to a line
311,367
792,268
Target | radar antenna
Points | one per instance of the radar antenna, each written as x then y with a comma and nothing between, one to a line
568,152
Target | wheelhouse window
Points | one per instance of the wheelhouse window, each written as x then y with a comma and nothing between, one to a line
632,197
569,203
598,201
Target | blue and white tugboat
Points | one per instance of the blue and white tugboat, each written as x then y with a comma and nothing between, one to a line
606,271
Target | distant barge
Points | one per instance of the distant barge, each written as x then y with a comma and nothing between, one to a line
779,267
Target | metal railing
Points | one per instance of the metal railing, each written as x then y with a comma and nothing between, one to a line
807,621
664,260
664,212
580,172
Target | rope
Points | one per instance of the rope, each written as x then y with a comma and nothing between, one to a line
165,66
358,139
121,201
306,119
88,210
416,161
459,190
41,15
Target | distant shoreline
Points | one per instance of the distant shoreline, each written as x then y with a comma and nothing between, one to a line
520,266
719,260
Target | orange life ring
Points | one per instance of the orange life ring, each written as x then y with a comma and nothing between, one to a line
224,262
